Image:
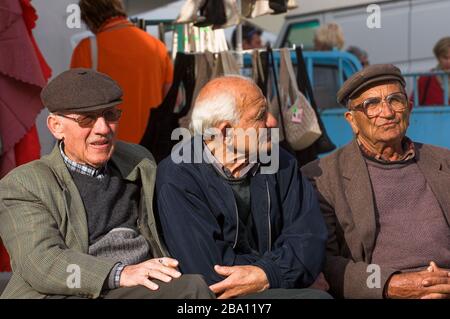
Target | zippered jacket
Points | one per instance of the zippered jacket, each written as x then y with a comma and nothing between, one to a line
199,219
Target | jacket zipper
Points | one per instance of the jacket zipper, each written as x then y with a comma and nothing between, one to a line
268,217
237,227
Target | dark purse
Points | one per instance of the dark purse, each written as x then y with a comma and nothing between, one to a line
324,143
270,66
163,120
278,6
212,13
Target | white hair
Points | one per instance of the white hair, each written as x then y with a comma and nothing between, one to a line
213,109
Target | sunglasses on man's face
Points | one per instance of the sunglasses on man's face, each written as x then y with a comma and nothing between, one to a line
89,119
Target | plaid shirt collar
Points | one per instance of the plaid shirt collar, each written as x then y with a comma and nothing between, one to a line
408,146
81,168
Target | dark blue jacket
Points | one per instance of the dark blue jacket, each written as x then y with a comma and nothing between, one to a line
199,219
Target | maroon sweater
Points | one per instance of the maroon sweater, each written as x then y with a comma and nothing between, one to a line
411,227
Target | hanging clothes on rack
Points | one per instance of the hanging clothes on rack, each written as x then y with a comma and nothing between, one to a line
189,10
163,120
226,64
259,71
22,69
192,72
232,13
299,118
256,8
23,74
274,103
278,6
200,40
208,66
265,74
204,70
324,143
216,13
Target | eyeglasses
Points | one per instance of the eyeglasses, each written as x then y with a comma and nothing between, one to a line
89,119
373,106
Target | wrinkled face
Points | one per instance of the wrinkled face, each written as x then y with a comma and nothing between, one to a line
388,127
92,145
444,60
254,117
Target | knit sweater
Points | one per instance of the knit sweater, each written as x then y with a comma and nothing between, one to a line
110,202
111,205
411,227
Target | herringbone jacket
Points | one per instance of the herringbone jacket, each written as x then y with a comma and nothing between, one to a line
43,225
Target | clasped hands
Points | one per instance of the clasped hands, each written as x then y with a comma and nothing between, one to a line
432,283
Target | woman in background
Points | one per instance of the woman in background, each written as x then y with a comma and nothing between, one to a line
139,62
431,88
328,37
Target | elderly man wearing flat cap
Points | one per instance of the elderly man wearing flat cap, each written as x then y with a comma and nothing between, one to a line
385,198
79,222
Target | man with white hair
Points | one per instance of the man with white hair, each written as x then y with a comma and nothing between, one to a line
79,222
249,230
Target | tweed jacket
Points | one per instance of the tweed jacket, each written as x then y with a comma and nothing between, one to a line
346,199
43,225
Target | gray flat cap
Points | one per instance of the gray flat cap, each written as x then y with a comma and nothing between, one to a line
81,90
366,78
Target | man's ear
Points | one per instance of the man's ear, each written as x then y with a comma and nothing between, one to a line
350,117
55,126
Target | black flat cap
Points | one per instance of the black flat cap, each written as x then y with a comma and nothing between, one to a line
81,90
367,78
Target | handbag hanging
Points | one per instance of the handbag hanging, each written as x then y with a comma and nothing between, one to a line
298,117
163,120
324,143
